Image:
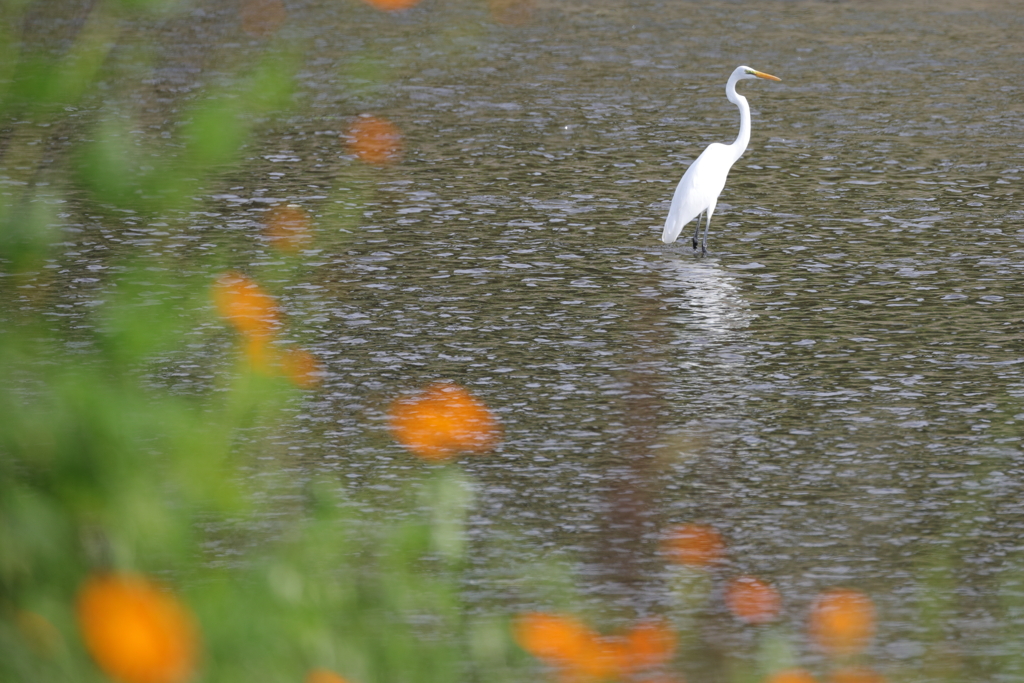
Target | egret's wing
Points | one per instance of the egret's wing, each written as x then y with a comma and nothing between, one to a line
699,186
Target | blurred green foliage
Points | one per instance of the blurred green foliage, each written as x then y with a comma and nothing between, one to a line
101,472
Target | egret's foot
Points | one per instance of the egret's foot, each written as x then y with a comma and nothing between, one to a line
704,250
695,244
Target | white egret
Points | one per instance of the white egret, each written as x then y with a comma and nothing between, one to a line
697,192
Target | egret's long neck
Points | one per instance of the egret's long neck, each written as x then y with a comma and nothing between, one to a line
740,145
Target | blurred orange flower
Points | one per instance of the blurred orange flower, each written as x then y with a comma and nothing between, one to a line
443,421
581,655
842,621
136,631
374,140
301,367
288,228
261,18
324,676
260,354
855,674
553,638
245,305
605,659
693,545
392,5
791,676
253,313
752,600
649,644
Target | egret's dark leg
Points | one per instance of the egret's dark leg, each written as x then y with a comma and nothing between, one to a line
707,224
696,230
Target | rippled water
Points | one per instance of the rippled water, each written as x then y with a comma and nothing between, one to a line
838,387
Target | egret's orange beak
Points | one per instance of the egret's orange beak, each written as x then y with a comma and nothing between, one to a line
761,74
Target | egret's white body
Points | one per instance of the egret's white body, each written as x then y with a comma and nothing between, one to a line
698,190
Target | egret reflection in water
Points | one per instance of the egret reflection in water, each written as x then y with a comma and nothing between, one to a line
710,309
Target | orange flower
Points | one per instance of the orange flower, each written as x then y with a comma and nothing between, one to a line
791,676
242,303
855,674
581,655
693,545
136,631
392,5
752,600
374,140
842,621
288,228
260,354
253,313
552,638
650,644
323,676
261,18
605,658
301,368
442,421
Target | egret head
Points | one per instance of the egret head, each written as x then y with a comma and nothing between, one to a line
746,72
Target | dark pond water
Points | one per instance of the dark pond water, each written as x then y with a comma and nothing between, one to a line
838,387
